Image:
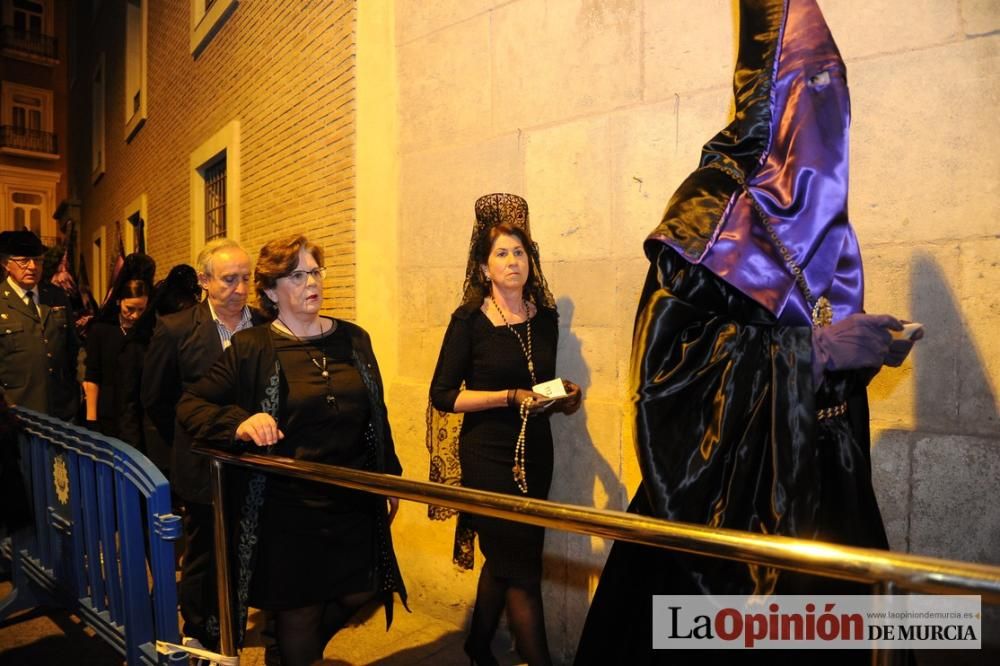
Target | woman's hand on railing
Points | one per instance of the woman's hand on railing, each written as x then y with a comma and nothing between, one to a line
261,429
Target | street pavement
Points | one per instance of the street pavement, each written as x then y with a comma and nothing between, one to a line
51,636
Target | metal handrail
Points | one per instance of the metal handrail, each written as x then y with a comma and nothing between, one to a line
913,573
888,572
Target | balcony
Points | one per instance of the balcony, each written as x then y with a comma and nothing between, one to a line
28,45
28,142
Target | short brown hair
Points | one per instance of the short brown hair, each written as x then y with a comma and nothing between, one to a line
276,260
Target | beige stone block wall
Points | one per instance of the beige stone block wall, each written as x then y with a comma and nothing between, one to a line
864,29
595,111
913,282
979,356
979,16
923,152
680,55
445,84
582,57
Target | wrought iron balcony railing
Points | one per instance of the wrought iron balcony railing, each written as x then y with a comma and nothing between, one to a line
29,43
30,140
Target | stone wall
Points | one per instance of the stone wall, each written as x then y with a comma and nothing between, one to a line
595,110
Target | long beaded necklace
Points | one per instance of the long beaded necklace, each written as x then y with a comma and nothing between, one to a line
526,348
331,399
520,468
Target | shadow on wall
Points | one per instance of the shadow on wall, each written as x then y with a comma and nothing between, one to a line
589,468
940,477
582,476
937,483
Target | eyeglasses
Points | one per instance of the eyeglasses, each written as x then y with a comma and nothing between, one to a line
24,262
298,278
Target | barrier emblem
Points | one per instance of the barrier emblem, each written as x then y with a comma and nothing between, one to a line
60,479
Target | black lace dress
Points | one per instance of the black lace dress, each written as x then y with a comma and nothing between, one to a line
489,358
317,542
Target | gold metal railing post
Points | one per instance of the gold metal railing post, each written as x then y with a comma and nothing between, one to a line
227,626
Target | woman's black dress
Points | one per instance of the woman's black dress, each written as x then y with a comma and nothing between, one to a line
104,346
317,542
490,358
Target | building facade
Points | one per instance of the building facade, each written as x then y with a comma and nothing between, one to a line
33,118
198,119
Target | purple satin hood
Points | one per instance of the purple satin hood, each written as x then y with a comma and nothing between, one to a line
789,143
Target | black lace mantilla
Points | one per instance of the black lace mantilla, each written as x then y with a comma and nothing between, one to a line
491,210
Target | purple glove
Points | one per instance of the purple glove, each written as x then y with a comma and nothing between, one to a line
858,341
899,349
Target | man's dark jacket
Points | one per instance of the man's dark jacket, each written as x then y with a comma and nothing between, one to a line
184,346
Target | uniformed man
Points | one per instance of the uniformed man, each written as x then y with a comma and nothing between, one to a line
38,343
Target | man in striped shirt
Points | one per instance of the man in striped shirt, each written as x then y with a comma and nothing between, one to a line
184,346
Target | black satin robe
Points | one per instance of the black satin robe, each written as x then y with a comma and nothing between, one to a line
727,436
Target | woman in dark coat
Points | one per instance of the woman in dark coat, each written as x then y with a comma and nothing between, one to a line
178,291
102,381
306,387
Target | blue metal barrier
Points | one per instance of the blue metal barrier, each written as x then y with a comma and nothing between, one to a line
101,511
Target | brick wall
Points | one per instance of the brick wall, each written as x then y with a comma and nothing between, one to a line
285,71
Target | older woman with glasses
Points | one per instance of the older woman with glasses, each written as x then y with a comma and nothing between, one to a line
306,387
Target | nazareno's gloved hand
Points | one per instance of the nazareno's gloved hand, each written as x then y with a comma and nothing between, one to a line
857,341
899,349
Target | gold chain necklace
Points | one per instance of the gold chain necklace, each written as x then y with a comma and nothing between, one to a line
526,348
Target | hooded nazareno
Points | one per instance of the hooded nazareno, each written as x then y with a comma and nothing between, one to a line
754,249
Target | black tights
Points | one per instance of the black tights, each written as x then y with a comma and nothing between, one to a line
302,633
523,599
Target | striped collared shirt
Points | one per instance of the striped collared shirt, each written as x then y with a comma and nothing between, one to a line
225,335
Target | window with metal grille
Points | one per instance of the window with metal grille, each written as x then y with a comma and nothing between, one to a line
215,199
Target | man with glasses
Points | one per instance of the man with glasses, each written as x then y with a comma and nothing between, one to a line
38,343
184,346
